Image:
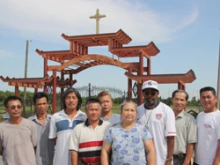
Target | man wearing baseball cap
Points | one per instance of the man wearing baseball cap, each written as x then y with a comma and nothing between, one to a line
159,119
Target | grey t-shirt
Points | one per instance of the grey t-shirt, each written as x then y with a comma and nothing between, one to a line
45,146
185,132
115,118
17,142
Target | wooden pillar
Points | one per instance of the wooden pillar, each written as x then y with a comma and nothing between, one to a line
61,91
148,66
71,77
45,72
83,49
130,85
110,45
181,85
71,47
54,105
77,48
140,73
86,50
35,90
16,91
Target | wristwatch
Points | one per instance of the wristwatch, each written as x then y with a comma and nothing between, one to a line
169,159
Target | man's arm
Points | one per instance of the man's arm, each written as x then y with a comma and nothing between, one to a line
170,148
54,140
189,153
106,148
217,155
74,158
151,152
34,135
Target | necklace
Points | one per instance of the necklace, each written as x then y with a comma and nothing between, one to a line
41,118
147,123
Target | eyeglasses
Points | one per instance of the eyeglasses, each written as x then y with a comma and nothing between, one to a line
13,107
152,93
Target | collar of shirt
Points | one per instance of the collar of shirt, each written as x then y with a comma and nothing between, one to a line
36,119
181,114
87,122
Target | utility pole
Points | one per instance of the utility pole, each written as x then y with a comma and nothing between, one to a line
25,75
89,90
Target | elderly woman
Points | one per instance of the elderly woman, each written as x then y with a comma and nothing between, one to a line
128,140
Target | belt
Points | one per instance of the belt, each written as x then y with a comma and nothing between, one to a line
91,163
179,156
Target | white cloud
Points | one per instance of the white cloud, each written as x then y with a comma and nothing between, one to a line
5,53
48,19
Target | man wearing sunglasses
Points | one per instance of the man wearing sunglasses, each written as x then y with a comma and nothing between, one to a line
159,119
18,136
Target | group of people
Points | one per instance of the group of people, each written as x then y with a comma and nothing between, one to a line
151,133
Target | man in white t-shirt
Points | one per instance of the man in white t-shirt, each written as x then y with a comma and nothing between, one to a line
107,115
159,119
208,129
63,122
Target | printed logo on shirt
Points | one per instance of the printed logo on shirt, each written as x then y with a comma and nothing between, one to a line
207,126
158,115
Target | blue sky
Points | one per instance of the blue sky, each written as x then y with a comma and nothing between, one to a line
186,32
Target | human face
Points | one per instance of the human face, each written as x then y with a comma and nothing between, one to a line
128,112
179,102
106,102
14,109
93,111
150,96
41,105
208,101
71,101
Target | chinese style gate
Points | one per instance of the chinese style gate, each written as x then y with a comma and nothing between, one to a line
78,55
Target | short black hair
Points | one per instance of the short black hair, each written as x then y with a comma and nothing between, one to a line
93,100
9,98
40,95
208,88
70,90
182,91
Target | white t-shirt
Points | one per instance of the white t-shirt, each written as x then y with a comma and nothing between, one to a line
161,123
208,129
61,127
115,118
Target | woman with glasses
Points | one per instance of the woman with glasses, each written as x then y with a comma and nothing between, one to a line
128,142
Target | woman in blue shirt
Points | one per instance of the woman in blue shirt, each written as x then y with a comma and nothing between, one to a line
129,142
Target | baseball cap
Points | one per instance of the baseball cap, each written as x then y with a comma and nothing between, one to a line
150,84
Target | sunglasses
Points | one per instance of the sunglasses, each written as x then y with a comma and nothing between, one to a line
13,107
152,93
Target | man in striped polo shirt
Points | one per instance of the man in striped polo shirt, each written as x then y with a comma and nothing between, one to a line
87,138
